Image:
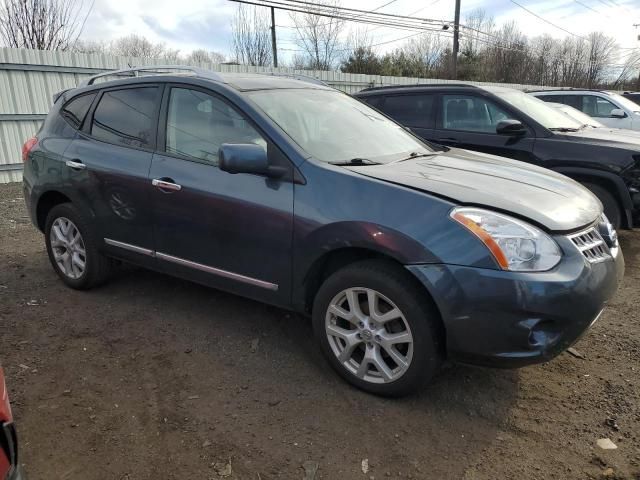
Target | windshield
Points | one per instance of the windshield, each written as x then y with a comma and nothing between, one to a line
537,109
576,114
333,127
625,103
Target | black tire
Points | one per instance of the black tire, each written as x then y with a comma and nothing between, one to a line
97,267
417,308
609,203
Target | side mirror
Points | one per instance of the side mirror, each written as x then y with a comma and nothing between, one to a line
510,127
247,158
618,113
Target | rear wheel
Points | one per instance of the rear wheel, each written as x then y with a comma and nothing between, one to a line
72,249
609,203
377,328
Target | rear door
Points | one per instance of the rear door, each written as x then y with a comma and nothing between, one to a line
469,121
415,111
231,231
109,164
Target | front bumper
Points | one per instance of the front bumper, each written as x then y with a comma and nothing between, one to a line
511,319
9,445
18,474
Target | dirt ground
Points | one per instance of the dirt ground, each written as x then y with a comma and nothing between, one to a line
150,377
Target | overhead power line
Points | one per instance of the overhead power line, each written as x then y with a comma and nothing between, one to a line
545,20
352,15
591,8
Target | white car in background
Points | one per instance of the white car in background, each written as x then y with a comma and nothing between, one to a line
577,115
609,108
590,122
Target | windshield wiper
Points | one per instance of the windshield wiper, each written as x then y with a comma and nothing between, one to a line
564,129
413,155
355,162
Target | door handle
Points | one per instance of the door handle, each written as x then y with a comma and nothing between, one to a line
166,185
75,164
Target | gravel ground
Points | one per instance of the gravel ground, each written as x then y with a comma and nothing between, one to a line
151,377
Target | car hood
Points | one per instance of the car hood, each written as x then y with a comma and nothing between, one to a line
616,137
471,178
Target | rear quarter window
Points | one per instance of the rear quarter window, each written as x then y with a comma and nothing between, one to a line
373,101
76,109
126,116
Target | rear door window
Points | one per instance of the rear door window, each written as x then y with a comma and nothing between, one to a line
127,117
414,110
75,110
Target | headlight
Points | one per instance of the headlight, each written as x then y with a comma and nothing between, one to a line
515,244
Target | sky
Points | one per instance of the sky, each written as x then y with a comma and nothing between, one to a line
194,24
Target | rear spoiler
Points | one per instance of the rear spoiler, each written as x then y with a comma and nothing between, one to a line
56,96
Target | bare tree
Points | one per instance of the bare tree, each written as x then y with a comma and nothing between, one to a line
137,46
629,69
601,52
319,37
90,46
42,24
478,27
203,56
426,51
250,38
359,55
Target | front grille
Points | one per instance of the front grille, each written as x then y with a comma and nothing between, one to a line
591,245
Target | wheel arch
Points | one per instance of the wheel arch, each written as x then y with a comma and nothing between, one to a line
45,203
332,261
610,182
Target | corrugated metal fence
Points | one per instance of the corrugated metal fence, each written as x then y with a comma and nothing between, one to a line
29,78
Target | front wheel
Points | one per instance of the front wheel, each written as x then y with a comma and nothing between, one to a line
609,204
377,328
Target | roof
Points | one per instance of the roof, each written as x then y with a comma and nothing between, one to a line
418,87
567,89
239,81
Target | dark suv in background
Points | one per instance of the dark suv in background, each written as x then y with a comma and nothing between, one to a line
298,195
509,123
633,96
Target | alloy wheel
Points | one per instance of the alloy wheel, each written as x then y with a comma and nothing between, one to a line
67,246
369,335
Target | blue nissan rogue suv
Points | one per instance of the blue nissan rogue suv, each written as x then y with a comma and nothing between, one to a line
295,194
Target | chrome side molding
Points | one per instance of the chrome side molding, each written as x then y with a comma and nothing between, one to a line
188,263
217,271
128,246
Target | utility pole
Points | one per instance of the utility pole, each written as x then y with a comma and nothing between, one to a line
274,47
456,40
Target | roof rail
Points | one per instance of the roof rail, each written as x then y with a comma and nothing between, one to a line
565,89
156,70
418,85
298,76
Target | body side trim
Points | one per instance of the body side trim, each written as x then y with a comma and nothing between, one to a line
188,263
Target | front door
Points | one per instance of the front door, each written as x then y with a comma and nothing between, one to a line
600,108
231,231
469,121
